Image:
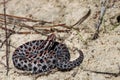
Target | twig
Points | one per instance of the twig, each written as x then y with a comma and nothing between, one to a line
8,45
5,40
44,30
78,22
57,25
3,63
82,19
53,30
102,12
24,18
107,73
7,29
36,31
42,22
8,55
6,33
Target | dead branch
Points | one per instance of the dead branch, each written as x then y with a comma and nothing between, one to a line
33,28
23,18
6,34
98,24
7,29
107,73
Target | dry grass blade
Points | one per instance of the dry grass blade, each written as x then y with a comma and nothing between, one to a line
82,19
78,22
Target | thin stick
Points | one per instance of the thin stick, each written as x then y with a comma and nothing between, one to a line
6,33
57,25
78,22
102,12
7,29
24,18
83,18
107,73
5,42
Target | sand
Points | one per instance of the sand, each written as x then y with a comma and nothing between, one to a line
100,55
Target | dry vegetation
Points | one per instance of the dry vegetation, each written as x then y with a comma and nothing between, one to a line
90,25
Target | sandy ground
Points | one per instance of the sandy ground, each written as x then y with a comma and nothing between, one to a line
101,55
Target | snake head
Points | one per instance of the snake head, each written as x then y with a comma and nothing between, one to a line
51,37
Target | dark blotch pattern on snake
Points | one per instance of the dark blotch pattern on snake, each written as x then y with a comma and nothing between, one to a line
41,56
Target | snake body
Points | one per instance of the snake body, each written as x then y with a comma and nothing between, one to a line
41,56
